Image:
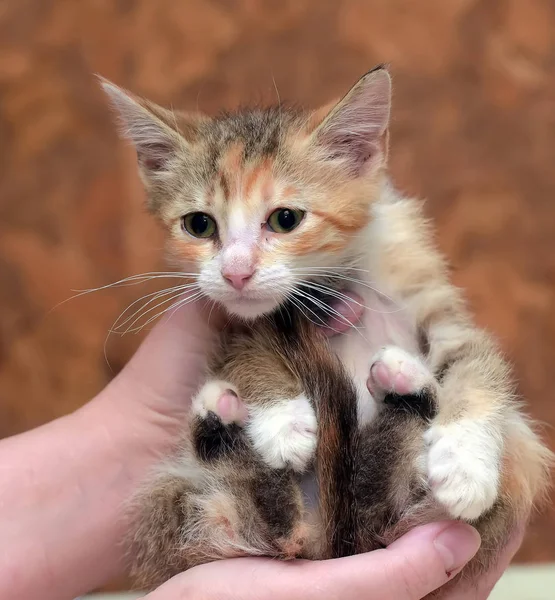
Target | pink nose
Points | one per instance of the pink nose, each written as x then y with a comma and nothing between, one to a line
237,280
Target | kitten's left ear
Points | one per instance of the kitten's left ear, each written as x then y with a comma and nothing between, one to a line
354,132
158,134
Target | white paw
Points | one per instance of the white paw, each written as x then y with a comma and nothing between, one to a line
284,433
463,461
220,397
396,371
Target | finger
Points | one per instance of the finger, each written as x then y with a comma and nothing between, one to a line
349,312
409,569
483,588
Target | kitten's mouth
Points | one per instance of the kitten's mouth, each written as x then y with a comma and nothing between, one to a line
249,307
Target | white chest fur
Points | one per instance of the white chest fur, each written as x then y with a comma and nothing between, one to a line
385,322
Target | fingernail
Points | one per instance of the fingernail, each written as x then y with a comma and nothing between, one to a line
457,544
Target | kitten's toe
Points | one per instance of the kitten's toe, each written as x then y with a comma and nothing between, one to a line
284,433
462,469
395,371
222,399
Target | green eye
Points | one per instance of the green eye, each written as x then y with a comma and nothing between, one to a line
284,220
199,224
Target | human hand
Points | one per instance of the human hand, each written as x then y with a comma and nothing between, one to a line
409,569
66,484
481,589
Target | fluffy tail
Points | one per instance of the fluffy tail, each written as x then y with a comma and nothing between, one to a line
331,389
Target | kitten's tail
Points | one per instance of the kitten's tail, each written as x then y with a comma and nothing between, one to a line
334,395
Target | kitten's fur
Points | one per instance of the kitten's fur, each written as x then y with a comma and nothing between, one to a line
440,433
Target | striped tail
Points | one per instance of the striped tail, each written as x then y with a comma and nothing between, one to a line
334,395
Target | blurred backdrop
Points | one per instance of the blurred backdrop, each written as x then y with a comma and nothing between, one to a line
473,131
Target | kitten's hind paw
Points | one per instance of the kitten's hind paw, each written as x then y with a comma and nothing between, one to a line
218,419
222,399
395,371
403,382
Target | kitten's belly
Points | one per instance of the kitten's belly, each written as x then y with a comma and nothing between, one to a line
384,323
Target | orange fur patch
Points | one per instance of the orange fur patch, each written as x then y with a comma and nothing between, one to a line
261,171
189,250
231,165
289,192
346,222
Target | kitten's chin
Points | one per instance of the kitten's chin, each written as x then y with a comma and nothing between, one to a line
250,309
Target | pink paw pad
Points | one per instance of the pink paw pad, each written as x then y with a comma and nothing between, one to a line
399,382
396,371
231,409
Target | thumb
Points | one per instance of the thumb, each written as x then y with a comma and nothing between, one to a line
170,364
409,569
423,560
344,312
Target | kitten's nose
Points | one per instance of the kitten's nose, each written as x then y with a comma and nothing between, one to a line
237,280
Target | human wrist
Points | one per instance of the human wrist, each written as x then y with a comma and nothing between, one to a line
61,518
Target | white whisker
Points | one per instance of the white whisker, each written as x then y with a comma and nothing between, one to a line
341,277
211,309
343,297
128,281
175,305
155,296
329,310
142,313
301,307
181,303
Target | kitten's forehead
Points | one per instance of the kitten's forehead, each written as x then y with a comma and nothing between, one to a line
236,141
258,132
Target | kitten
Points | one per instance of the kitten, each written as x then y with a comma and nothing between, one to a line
275,210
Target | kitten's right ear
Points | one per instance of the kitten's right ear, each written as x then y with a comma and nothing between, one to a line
148,126
353,133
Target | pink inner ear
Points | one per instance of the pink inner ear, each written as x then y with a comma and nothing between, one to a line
154,156
355,149
354,131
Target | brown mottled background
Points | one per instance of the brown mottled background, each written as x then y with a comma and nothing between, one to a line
473,131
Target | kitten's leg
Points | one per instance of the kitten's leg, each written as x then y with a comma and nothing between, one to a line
477,423
463,456
284,432
201,505
392,444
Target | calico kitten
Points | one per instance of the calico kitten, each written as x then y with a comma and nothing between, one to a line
276,210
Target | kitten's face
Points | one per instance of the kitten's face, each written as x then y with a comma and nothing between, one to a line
260,205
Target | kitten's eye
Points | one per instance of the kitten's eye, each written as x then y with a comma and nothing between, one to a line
284,220
199,224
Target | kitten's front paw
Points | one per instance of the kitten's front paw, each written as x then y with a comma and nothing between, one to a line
284,433
222,399
396,371
463,468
